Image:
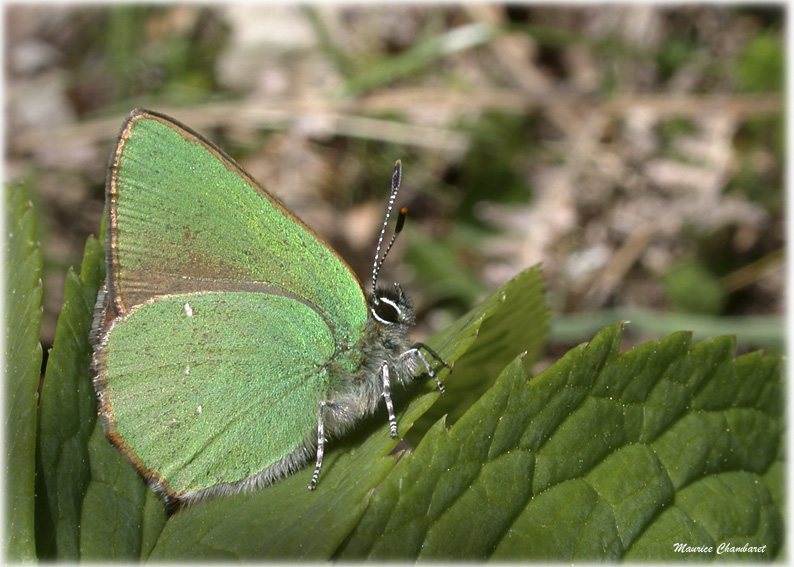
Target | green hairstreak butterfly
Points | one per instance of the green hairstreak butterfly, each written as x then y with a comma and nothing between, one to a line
230,341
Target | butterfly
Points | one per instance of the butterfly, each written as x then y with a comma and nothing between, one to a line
230,341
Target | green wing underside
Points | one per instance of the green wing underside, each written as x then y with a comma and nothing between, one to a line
183,213
215,387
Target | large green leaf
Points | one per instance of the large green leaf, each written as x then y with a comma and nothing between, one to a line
22,372
600,457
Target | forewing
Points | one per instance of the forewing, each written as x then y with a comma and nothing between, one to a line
185,217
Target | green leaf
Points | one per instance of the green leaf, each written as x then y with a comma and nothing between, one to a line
520,324
67,416
110,525
600,457
22,372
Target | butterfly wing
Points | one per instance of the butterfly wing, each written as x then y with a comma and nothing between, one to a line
185,217
213,387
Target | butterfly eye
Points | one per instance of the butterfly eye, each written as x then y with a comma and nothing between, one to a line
386,311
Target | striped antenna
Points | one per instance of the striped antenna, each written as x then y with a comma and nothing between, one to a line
395,187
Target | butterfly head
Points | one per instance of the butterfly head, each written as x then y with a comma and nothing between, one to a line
391,307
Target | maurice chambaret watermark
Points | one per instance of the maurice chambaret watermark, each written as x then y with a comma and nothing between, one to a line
722,548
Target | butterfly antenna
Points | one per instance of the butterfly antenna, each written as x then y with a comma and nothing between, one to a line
395,187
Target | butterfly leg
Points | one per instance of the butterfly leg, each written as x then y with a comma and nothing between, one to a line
432,353
384,373
416,351
320,446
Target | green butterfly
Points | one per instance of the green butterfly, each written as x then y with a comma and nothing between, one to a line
230,341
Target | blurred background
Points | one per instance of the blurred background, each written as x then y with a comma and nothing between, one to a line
636,151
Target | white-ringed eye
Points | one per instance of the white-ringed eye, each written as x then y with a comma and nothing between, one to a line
386,311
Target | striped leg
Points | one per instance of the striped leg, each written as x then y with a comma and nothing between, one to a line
384,373
416,351
320,446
